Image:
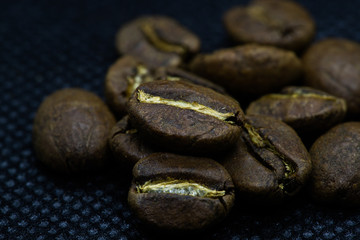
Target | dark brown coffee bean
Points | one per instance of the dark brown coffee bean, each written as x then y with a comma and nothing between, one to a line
121,80
269,162
303,108
156,41
180,193
71,129
175,74
250,69
336,166
127,73
126,144
279,23
181,116
333,65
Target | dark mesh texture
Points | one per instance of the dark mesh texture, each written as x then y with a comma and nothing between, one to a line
48,45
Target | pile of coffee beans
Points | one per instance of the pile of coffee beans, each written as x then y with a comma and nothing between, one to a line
182,130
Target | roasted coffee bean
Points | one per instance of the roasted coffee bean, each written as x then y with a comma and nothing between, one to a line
269,162
121,80
126,144
333,65
283,24
177,192
250,69
336,166
156,41
303,108
127,73
175,74
70,131
184,117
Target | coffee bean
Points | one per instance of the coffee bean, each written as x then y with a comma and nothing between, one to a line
177,192
333,65
269,162
156,41
303,108
249,69
121,80
127,73
126,144
70,131
184,117
280,23
175,74
336,166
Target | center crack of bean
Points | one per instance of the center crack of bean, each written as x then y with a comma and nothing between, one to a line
144,97
179,187
261,142
153,37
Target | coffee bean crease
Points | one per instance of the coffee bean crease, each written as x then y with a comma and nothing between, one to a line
180,187
161,44
304,95
286,183
141,76
144,97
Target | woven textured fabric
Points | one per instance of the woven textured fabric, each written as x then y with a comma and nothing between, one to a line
49,45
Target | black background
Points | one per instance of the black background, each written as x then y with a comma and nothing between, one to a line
48,45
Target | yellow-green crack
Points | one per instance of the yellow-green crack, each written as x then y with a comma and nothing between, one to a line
172,78
264,143
140,77
255,136
144,97
305,95
180,187
150,33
